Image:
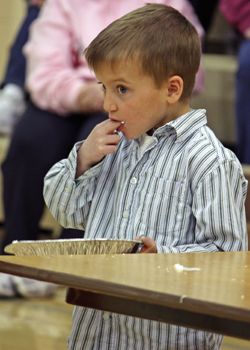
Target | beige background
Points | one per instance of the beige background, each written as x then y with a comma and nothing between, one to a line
11,13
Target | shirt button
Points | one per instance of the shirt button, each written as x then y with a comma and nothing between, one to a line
106,316
125,214
133,180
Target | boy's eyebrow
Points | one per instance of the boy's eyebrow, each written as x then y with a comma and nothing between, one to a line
120,80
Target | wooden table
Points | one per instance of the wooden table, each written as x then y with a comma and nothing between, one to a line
208,291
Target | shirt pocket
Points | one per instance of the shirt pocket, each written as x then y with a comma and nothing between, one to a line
160,207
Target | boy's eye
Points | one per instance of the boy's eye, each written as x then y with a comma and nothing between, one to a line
121,89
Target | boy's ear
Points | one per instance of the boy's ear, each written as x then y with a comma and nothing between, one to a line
174,91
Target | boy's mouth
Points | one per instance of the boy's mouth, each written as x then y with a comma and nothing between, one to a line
120,127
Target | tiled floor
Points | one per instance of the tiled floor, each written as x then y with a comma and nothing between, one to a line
35,324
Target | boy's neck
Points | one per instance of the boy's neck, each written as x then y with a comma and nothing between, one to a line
174,111
178,109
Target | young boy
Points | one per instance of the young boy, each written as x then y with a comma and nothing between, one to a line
153,169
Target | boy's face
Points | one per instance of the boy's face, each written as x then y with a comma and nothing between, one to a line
132,97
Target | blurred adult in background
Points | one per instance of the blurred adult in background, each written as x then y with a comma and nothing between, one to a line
237,12
65,102
12,93
12,105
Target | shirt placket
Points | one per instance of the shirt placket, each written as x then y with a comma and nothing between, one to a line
130,203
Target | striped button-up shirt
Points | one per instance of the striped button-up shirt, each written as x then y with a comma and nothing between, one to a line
179,186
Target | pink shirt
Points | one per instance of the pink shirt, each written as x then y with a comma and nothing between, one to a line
56,69
237,12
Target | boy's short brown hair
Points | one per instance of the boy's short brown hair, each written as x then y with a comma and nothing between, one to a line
161,38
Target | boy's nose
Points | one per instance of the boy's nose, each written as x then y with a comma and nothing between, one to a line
109,106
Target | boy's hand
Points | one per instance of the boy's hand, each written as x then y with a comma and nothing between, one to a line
102,140
149,245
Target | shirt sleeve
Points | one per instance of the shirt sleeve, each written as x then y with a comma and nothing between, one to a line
68,198
219,211
55,74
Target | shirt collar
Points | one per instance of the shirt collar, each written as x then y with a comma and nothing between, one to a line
183,126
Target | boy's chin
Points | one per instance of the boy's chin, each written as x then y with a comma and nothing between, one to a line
133,135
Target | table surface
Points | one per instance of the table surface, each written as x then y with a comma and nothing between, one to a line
200,290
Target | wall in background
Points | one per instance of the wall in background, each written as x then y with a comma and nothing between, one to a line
11,13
